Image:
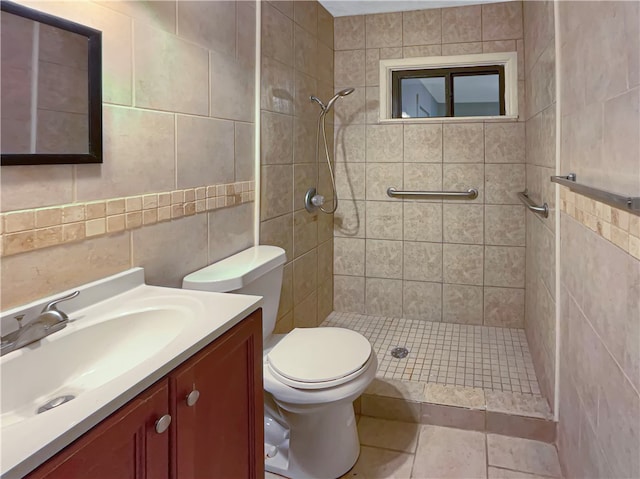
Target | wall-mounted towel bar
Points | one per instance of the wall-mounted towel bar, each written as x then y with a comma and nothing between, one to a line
630,203
541,210
470,194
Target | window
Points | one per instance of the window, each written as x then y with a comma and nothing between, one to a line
470,91
465,86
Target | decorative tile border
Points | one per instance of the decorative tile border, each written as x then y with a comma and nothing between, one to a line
615,225
27,230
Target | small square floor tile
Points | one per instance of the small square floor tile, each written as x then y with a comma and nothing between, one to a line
493,358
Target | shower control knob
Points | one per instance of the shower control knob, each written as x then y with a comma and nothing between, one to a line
317,200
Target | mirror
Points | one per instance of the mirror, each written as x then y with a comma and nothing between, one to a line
51,89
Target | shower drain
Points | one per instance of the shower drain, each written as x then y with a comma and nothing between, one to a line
399,352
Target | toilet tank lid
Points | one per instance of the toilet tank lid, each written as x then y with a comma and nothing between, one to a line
236,271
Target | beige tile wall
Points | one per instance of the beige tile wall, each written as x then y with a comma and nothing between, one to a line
178,92
297,62
433,260
540,149
599,429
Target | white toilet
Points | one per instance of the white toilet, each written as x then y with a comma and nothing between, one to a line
311,375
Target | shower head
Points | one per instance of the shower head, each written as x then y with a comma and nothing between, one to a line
329,105
341,93
346,91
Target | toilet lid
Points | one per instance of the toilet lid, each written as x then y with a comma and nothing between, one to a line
311,358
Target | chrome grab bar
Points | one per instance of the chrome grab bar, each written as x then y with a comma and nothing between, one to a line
629,203
470,194
541,210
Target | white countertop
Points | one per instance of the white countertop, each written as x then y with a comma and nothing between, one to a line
27,444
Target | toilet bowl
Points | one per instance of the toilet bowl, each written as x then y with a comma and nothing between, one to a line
311,375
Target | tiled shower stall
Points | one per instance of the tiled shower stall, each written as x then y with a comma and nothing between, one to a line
404,272
469,287
446,278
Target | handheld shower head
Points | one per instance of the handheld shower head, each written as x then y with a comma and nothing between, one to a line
346,91
329,105
341,93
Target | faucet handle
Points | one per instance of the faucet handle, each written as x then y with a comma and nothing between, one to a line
52,305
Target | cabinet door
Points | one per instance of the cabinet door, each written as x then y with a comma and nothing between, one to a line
123,446
221,436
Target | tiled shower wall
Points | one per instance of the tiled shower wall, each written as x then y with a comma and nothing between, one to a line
453,261
297,62
178,110
540,300
599,64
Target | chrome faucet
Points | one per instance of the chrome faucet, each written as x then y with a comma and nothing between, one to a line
48,322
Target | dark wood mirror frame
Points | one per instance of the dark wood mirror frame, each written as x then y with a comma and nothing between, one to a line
94,83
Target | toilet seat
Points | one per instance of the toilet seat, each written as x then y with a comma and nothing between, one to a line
315,358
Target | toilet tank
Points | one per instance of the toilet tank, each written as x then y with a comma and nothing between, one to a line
256,271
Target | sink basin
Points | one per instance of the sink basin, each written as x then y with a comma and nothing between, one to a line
122,337
78,359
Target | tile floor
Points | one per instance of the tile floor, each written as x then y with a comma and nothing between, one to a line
399,450
445,353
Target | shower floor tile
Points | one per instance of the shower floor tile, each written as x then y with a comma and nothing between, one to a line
485,357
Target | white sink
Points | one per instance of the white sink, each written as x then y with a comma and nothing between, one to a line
83,357
122,337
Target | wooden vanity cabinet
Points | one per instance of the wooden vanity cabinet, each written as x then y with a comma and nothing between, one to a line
219,435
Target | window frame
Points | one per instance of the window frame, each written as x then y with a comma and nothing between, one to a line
449,74
435,66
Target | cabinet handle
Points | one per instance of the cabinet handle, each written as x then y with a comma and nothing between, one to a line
162,424
193,397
